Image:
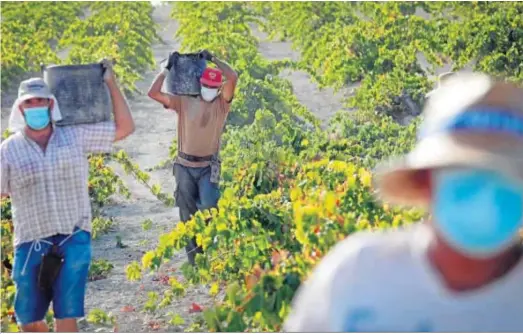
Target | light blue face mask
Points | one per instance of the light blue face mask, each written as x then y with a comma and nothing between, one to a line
37,118
478,212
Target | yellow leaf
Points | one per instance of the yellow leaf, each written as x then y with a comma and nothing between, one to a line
363,224
228,194
156,189
295,194
330,202
213,291
365,177
174,283
221,227
396,221
133,272
180,228
310,210
300,236
206,242
12,328
147,259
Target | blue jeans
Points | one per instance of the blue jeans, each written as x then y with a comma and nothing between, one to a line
68,293
194,191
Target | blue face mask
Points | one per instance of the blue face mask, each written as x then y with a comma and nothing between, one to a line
478,212
37,118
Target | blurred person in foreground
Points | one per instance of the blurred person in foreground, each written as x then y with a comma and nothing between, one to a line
462,271
201,120
45,172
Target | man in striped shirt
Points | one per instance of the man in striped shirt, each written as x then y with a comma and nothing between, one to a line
45,172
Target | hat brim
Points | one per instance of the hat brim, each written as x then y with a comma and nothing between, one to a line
399,182
35,95
212,84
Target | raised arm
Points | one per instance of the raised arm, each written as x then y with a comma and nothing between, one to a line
228,72
155,91
124,123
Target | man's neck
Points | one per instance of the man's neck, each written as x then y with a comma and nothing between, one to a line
41,137
463,273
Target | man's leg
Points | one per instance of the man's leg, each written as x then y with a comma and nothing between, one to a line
69,287
66,325
186,196
30,304
209,192
36,327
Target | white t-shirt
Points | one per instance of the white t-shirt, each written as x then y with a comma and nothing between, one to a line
383,282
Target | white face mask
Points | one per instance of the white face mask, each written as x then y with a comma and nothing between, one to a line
209,94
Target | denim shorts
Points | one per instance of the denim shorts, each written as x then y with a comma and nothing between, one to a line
31,304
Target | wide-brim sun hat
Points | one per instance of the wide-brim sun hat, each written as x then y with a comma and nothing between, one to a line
474,121
442,78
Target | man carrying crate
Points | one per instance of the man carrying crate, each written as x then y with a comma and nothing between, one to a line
45,172
201,120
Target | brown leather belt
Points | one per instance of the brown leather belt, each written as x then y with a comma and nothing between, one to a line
193,158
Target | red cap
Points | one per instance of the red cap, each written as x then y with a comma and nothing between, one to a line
211,77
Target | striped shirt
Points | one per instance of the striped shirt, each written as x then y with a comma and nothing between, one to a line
49,193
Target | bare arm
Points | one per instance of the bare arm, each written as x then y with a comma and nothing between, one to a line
232,79
124,123
155,91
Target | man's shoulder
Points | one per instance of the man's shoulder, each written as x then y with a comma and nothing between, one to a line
66,130
352,271
11,141
67,133
378,240
76,129
221,104
369,248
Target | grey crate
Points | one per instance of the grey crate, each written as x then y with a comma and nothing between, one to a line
83,96
184,76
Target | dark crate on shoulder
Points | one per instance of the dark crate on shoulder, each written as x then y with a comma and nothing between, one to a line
184,76
82,95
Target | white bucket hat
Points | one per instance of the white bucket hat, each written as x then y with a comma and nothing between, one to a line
31,88
442,78
473,121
